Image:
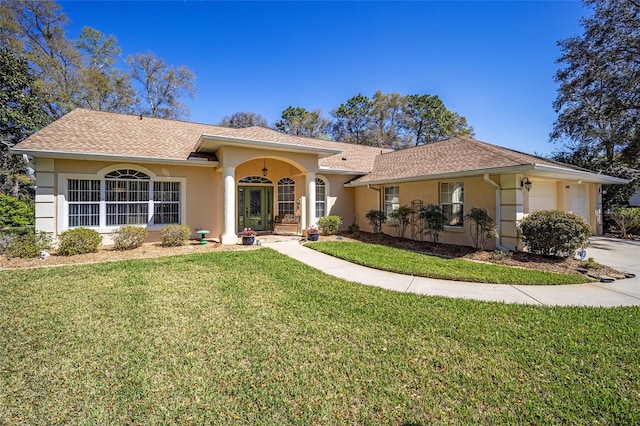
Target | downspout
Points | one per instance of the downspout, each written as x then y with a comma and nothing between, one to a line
499,246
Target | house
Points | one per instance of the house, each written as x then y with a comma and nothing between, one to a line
102,170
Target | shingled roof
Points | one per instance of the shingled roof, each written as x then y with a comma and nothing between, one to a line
459,155
98,133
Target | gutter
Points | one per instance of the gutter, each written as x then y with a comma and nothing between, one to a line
375,189
499,245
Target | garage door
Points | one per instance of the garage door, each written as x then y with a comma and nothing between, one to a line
580,201
542,196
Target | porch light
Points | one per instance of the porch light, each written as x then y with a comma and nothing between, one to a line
264,168
526,183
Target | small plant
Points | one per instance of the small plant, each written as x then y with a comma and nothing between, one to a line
248,232
28,245
329,225
128,237
433,220
483,226
78,241
590,263
174,235
376,219
501,255
400,219
354,230
554,232
313,230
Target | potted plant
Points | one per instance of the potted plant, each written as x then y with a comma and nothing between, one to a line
248,236
313,233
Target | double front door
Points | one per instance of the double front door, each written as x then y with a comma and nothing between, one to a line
255,207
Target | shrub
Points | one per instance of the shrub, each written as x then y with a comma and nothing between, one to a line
433,220
14,212
626,218
483,226
400,219
28,245
354,230
128,237
554,232
376,219
174,235
78,241
329,225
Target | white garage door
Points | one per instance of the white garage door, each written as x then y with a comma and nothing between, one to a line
580,201
542,196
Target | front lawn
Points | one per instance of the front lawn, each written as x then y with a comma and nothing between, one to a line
422,265
257,338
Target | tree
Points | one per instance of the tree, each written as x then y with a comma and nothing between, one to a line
20,116
386,119
352,120
162,86
598,99
298,121
239,120
103,86
433,220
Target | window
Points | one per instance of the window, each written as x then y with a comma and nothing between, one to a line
286,196
452,202
166,203
321,198
127,197
123,197
391,198
84,202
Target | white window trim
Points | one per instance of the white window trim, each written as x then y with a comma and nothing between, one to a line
454,228
62,210
327,210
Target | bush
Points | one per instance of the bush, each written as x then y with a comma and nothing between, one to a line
174,235
354,230
433,219
626,219
554,232
329,225
14,212
376,219
400,219
483,226
78,241
128,237
28,245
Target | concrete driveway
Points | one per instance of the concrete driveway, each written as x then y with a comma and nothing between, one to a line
620,254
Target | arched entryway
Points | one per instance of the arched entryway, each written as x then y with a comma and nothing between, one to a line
255,203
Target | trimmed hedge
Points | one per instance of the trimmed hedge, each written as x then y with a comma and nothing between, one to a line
128,237
174,235
554,232
78,241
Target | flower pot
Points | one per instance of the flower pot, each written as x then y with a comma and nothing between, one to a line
313,237
248,241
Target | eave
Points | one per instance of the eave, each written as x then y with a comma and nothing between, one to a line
211,143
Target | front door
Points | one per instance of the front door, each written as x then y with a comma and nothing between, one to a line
255,207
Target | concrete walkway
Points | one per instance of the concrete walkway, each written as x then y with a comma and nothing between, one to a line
623,255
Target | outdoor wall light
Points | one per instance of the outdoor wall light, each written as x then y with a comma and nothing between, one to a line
264,168
526,183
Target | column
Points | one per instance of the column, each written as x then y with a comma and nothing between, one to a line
229,206
311,199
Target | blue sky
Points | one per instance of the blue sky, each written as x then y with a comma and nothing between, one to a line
492,62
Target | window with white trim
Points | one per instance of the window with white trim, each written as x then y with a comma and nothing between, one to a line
127,197
321,198
391,198
123,197
83,196
452,202
286,196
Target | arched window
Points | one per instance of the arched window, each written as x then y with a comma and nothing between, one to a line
127,197
286,196
255,179
321,197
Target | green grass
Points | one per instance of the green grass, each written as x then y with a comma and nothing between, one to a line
257,338
421,265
